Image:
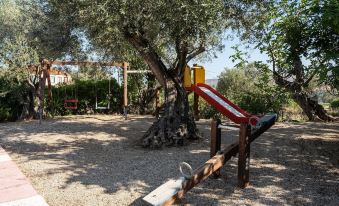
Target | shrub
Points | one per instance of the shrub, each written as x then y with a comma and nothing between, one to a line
335,104
5,114
251,87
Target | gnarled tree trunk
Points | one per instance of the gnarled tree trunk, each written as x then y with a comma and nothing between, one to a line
29,110
310,107
176,124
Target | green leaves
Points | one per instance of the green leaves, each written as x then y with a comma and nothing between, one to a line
304,31
251,86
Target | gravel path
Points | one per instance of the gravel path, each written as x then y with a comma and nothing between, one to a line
95,160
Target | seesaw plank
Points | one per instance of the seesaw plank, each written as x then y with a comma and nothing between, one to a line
165,192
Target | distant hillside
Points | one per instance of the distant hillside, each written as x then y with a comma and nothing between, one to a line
212,82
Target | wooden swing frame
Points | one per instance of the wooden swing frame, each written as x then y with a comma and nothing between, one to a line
120,64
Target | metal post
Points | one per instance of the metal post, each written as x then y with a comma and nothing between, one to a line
215,142
244,156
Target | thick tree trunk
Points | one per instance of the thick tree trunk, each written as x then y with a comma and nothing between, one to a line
310,107
28,111
175,125
148,97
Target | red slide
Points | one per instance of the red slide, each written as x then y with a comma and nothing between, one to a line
223,105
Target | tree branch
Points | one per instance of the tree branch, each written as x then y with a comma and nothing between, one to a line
313,74
196,52
181,49
153,60
311,77
277,77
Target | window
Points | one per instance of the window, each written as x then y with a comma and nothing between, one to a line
60,79
65,79
53,79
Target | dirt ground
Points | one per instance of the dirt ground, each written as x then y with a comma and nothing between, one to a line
95,160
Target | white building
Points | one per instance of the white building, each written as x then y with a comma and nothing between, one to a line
57,77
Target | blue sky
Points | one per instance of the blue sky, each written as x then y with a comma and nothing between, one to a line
216,66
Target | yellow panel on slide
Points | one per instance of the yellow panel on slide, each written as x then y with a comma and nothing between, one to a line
199,74
187,77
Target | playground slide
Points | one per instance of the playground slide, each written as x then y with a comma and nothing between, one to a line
229,109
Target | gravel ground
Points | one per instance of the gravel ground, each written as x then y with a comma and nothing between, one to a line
95,160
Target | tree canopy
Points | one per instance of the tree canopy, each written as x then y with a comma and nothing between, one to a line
30,30
302,41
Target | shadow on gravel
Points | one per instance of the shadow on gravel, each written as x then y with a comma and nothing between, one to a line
294,163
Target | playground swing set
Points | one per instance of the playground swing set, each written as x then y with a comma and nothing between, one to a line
249,126
99,102
72,103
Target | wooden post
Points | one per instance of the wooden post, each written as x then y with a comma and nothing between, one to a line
215,142
49,83
195,99
125,66
196,107
41,92
244,156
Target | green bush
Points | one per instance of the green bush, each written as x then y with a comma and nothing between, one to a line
5,114
13,94
335,104
252,88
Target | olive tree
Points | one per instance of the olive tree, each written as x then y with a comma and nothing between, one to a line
301,39
166,35
30,31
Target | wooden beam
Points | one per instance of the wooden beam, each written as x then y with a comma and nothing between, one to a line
138,71
86,63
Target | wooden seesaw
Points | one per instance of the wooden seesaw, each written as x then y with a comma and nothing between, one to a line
167,193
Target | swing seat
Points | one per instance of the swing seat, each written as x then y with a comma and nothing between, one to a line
102,108
71,104
98,107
